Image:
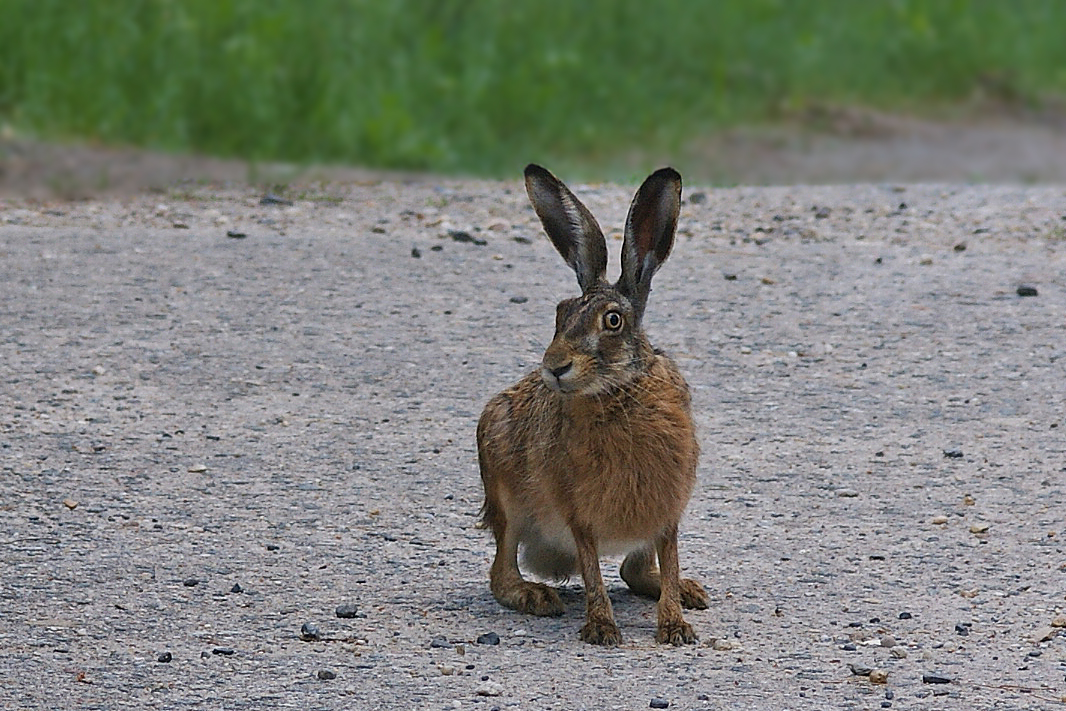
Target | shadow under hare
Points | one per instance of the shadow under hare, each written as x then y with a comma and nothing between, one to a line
595,452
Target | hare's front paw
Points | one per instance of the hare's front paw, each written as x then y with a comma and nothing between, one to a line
693,596
604,632
677,632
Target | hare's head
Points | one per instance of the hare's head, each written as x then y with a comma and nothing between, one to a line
599,341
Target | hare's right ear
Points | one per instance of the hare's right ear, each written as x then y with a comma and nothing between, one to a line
570,226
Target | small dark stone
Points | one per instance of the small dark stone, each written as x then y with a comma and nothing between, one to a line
1027,291
1035,653
962,629
519,299
440,643
272,199
659,704
522,240
490,638
854,624
905,615
886,704
310,633
935,679
697,198
326,674
960,247
236,588
860,670
224,651
165,658
437,248
272,546
416,252
235,234
848,647
730,277
954,453
822,212
347,610
190,582
464,236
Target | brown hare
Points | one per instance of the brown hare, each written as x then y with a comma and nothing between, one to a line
595,452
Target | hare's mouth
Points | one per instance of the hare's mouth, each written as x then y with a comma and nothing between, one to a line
561,380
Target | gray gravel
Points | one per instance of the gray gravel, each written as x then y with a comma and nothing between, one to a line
287,419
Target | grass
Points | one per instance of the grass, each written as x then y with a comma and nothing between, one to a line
482,86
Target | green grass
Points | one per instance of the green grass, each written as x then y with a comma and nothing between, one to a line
483,86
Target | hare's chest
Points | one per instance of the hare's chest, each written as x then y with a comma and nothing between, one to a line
628,484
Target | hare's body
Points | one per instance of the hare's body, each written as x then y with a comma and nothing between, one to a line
595,453
582,463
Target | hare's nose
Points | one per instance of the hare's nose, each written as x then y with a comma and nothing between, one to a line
561,370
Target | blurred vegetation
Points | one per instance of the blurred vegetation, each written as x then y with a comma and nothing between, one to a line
483,86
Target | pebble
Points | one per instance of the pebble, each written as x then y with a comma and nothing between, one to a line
847,493
723,645
272,199
879,676
519,299
236,588
888,641
224,651
979,528
939,520
1027,291
860,670
440,643
490,638
935,679
697,198
489,688
70,504
464,236
822,213
235,234
416,252
953,453
347,610
905,615
326,674
197,469
658,703
898,653
310,633
165,658
190,582
962,629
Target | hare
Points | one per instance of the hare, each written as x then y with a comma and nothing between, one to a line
595,452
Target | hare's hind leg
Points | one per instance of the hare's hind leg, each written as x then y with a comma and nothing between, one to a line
642,576
505,580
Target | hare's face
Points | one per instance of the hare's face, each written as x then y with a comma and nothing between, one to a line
597,345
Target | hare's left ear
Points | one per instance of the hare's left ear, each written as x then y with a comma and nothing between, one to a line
649,234
570,226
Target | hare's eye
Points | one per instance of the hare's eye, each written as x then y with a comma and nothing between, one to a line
612,320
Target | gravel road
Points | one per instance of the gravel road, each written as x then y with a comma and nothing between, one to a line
220,420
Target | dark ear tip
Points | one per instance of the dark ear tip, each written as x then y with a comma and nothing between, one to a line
666,174
534,170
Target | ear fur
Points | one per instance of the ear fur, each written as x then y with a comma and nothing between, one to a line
570,226
649,234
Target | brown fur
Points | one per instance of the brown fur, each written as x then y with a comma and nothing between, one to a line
600,459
